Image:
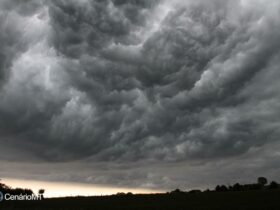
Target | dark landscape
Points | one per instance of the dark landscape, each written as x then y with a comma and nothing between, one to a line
237,197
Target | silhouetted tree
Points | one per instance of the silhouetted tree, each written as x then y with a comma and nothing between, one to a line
195,191
237,187
262,181
4,187
224,188
273,185
252,187
28,192
221,188
176,191
217,188
17,191
41,192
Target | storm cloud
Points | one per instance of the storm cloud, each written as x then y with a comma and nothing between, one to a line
137,84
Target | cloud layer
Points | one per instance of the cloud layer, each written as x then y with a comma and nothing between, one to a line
138,81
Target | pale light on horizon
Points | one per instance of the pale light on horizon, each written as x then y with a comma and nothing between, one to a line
63,189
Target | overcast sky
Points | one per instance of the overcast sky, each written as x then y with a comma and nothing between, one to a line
140,93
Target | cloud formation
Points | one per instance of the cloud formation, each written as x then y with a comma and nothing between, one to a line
148,81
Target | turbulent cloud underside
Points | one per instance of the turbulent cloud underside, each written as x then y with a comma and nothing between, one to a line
144,80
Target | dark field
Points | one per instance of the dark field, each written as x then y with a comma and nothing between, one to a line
254,200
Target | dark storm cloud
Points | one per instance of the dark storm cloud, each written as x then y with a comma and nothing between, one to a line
127,81
82,27
11,25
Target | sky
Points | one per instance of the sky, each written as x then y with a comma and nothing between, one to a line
139,94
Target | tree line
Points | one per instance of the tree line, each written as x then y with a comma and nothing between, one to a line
261,184
5,189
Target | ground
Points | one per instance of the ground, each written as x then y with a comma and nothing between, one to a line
249,200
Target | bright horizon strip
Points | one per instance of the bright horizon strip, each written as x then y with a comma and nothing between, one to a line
63,189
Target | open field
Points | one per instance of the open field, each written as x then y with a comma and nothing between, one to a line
253,200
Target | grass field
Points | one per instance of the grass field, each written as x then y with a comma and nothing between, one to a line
253,200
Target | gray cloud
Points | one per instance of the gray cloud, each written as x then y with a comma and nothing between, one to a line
138,81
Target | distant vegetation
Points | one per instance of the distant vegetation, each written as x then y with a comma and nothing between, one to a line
5,189
14,191
261,184
262,195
